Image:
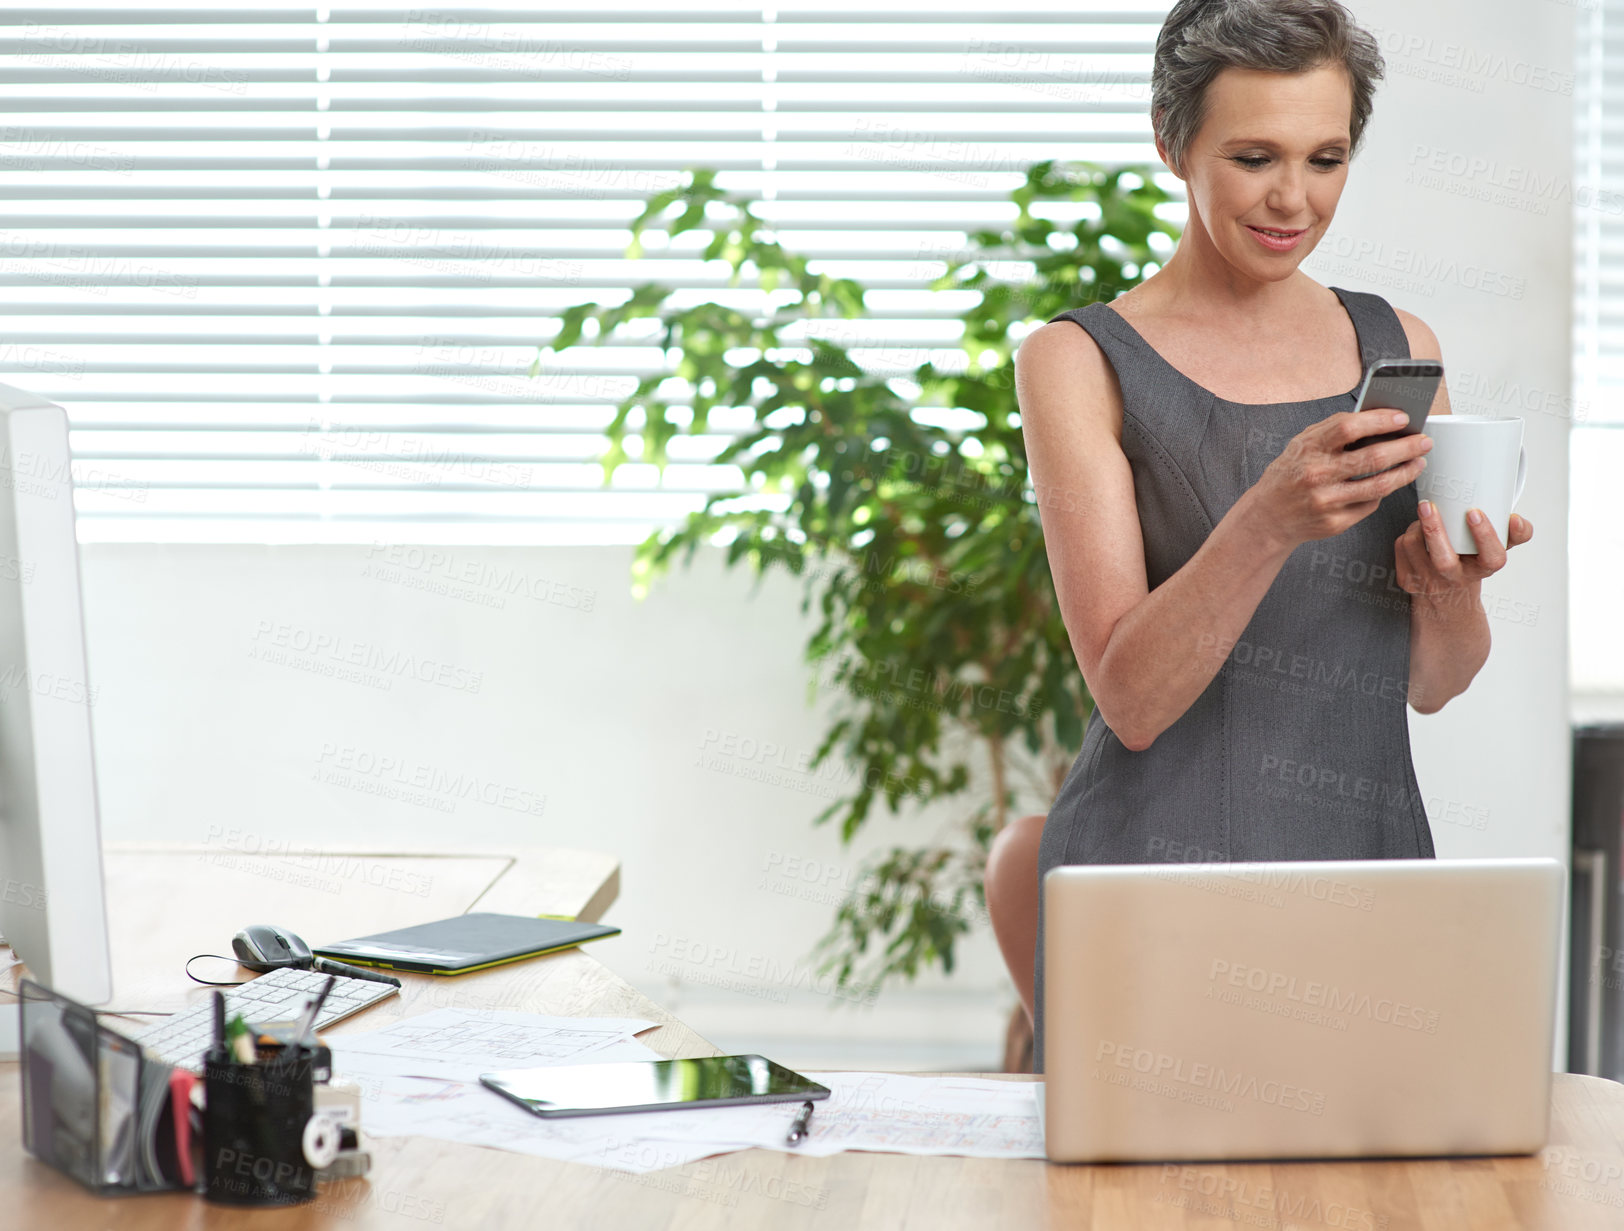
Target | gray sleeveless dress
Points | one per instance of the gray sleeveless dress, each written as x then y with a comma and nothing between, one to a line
1299,748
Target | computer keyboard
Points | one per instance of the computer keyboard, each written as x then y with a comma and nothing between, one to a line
279,996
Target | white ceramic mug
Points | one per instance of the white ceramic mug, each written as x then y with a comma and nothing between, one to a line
1476,461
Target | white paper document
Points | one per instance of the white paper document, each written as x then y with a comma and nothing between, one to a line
420,1077
463,1043
977,1117
394,1105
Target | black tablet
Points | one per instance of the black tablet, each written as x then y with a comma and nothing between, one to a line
652,1085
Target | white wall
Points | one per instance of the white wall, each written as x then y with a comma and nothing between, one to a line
1459,209
606,712
603,714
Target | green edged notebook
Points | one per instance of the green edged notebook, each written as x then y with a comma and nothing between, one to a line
463,943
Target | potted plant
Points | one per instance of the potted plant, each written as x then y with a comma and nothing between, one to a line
897,488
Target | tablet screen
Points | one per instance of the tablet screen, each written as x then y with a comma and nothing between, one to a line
652,1085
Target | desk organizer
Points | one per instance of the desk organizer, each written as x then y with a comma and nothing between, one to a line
262,1141
95,1106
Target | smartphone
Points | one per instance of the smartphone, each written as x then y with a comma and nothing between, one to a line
1398,384
651,1085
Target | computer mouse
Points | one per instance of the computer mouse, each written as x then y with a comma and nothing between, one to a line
264,946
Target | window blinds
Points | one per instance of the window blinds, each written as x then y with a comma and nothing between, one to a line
1598,213
287,266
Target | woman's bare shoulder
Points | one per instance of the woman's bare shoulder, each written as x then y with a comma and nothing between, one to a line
1424,345
1423,342
1060,365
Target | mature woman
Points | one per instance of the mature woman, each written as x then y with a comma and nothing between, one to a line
1204,523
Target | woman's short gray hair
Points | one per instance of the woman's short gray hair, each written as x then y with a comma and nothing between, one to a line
1200,38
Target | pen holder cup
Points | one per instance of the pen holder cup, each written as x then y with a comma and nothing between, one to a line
255,1119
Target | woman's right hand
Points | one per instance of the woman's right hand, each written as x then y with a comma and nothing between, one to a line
1310,491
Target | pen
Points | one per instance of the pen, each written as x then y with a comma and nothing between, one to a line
313,1008
220,1020
797,1130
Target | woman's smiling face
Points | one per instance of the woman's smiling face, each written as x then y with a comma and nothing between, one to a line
1272,154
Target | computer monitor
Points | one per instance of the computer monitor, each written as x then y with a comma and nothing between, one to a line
53,909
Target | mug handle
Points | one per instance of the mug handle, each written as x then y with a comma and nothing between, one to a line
1522,473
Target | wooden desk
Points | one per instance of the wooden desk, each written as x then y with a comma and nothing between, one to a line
1577,1184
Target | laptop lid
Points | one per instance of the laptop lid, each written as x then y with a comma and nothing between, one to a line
1299,1010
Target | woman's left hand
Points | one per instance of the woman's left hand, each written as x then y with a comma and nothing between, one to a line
1430,569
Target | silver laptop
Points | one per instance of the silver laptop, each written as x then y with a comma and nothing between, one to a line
1299,1010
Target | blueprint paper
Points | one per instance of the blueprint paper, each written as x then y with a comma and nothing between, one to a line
368,1068
473,1115
451,1105
976,1117
460,1044
420,1077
